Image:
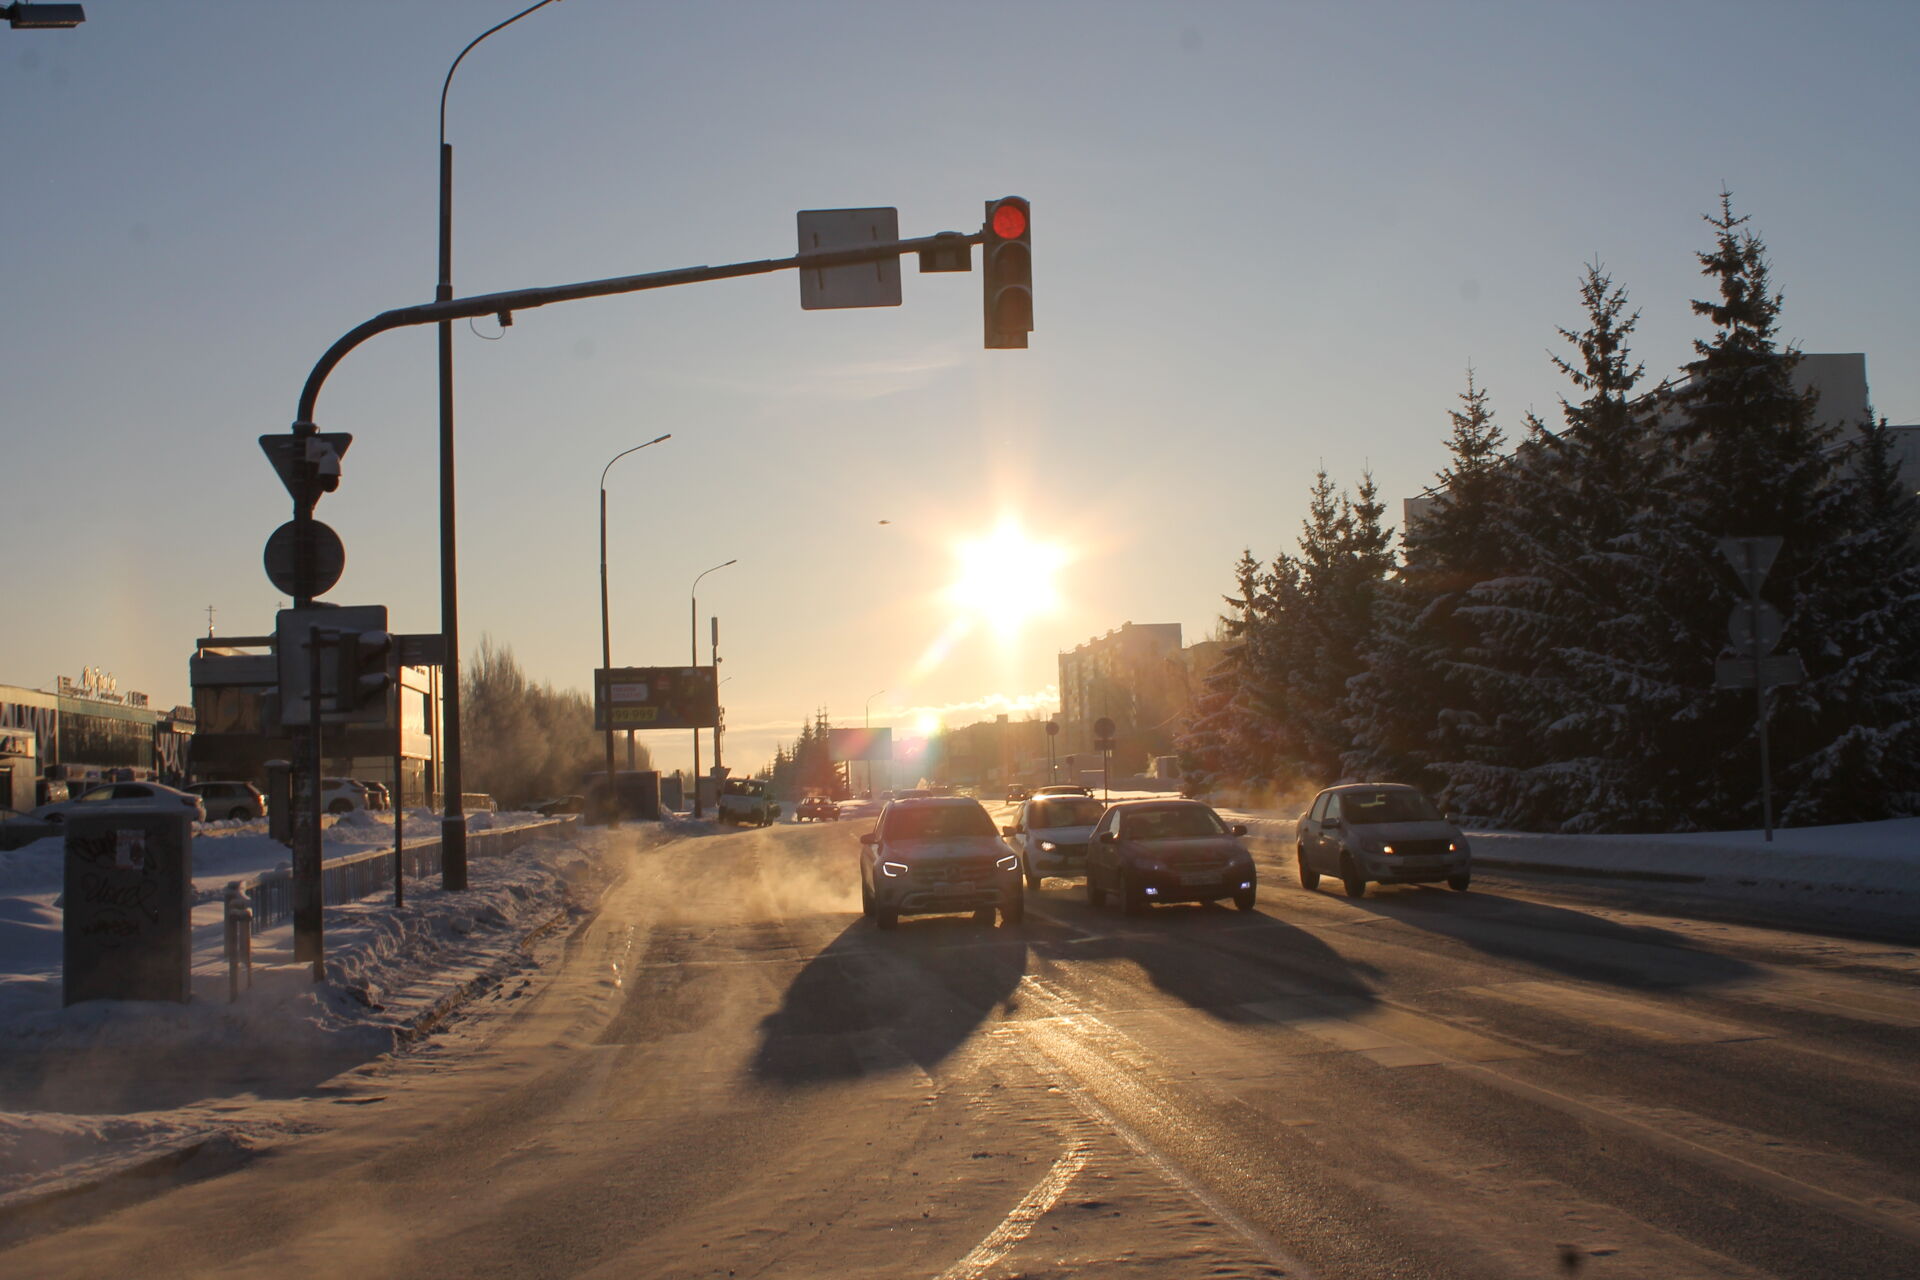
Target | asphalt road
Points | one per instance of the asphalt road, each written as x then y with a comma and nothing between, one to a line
725,1072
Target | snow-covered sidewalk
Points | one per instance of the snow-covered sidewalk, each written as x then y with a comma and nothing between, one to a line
94,1089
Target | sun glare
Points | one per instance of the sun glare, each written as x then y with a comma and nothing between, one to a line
1005,578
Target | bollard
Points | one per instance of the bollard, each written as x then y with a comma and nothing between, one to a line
239,939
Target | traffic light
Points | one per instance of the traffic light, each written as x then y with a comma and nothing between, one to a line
364,672
1007,272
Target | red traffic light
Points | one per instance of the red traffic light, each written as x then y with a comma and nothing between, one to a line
1009,220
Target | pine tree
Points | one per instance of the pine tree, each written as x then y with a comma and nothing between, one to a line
1406,702
1217,747
1756,464
1565,672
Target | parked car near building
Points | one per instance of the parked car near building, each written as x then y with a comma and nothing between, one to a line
344,795
123,795
239,800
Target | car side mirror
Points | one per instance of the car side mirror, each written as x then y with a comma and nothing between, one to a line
1238,828
1109,837
1008,831
868,837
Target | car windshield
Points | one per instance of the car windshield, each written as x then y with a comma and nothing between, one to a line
939,822
1363,808
1184,822
1065,812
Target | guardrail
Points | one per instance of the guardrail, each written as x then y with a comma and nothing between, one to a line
353,876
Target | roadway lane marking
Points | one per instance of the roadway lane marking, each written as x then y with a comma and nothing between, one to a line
1390,1036
1642,1017
1016,1225
1050,1063
1888,1007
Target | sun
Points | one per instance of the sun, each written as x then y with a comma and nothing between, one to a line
1005,578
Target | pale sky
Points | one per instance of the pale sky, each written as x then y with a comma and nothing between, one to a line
1266,236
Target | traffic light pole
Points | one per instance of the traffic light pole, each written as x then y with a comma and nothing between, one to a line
503,305
309,910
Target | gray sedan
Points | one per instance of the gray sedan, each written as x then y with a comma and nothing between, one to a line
1380,832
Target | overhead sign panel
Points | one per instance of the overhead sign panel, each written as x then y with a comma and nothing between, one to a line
859,284
860,744
655,698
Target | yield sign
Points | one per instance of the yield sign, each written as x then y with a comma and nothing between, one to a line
1751,559
288,452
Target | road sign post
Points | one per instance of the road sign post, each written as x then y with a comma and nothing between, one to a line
1756,627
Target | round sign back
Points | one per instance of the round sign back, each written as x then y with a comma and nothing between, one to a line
329,559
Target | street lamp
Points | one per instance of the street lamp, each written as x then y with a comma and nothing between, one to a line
453,822
866,721
606,638
693,656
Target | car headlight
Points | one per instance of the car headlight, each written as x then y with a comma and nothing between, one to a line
1009,863
893,868
1386,848
1048,846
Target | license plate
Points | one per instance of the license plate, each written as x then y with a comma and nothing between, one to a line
1199,877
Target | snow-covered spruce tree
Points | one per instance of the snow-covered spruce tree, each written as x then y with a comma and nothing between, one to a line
1566,671
1863,705
1755,464
1321,618
1219,747
1407,704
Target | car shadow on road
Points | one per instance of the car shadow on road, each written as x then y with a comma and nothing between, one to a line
1575,943
1230,965
875,1001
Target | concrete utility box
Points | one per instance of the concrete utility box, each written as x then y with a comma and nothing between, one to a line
129,902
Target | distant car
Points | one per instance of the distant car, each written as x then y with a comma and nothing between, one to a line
1016,794
560,806
123,795
1050,834
817,809
237,800
938,856
1384,832
344,795
1149,851
1063,789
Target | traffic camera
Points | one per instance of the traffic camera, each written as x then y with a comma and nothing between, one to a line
1007,273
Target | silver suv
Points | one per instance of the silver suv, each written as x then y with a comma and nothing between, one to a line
239,800
936,856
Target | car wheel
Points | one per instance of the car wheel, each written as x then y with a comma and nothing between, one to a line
1309,878
56,818
239,815
866,900
1033,881
886,918
1350,875
340,806
1244,899
1132,900
983,915
1460,882
1013,911
1096,896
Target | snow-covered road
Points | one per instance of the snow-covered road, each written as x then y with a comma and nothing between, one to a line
726,1070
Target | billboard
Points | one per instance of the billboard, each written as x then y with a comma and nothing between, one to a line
655,698
860,744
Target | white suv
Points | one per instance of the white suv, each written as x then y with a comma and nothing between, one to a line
344,795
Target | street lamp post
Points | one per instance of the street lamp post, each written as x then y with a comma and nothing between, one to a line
606,636
866,721
693,656
453,822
